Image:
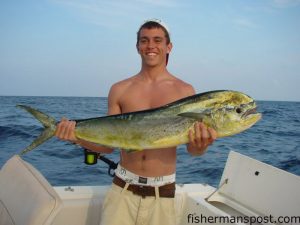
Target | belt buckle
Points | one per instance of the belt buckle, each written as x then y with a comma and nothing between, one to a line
141,190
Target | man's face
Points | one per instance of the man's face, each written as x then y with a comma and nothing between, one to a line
153,47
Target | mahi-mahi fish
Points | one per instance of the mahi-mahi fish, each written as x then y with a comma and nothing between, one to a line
228,112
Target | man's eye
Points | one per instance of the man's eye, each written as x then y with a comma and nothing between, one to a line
143,41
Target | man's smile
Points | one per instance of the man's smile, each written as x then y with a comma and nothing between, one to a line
151,53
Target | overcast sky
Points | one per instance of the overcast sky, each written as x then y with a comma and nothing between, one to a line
82,47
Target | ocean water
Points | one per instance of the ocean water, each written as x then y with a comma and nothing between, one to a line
274,140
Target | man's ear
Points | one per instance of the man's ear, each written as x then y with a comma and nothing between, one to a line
137,48
169,47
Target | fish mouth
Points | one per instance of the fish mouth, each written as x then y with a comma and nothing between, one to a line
250,112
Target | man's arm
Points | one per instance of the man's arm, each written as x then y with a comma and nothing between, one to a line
66,129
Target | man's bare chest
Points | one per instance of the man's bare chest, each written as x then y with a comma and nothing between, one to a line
142,100
137,104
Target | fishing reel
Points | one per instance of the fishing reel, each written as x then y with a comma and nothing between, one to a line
91,158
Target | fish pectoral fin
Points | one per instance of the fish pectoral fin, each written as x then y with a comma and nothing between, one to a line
194,115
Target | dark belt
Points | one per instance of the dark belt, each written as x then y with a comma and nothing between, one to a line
165,191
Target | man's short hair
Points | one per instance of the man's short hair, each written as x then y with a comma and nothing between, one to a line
154,23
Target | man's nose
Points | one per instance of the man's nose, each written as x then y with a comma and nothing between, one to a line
151,44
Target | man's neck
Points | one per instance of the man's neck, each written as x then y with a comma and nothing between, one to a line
153,73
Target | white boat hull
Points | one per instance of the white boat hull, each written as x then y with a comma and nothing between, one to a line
248,189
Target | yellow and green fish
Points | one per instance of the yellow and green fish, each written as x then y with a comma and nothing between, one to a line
228,112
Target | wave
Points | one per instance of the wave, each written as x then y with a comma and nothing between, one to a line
18,131
291,165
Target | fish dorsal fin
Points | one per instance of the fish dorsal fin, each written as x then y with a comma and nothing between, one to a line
194,115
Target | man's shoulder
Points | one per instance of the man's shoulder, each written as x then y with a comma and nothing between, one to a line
120,87
123,84
184,86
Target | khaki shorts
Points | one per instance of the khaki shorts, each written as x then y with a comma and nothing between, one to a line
123,207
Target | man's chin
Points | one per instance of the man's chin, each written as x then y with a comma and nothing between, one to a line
152,63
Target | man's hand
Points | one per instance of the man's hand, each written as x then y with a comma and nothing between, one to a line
200,138
65,130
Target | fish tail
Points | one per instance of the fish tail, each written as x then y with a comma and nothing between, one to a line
49,124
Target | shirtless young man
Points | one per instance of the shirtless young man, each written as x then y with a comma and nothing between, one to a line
152,87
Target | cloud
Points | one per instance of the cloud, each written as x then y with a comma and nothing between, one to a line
285,3
270,6
246,23
108,13
161,3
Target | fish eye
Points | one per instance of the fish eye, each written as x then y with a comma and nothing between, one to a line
238,110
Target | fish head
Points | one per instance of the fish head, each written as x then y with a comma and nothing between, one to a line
236,113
